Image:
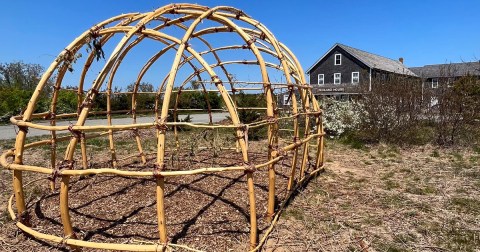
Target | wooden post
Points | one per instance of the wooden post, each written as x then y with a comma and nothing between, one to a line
110,132
162,230
83,148
253,211
64,211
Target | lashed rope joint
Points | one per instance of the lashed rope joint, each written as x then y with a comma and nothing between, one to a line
239,14
280,152
55,174
157,169
23,128
251,41
296,140
249,167
57,171
76,133
165,22
271,120
66,164
49,116
263,36
216,80
161,124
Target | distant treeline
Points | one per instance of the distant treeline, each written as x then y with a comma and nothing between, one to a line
18,81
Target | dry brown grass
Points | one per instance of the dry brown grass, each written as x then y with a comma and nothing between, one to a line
387,199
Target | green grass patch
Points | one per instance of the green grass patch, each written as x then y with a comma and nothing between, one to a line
390,185
295,213
465,205
435,153
420,190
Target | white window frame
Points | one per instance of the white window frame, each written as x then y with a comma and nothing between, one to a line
450,82
340,58
285,99
339,78
358,77
323,79
434,83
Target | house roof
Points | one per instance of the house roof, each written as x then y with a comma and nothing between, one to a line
448,70
371,60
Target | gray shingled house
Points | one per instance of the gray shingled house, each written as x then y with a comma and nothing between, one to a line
435,75
443,75
342,70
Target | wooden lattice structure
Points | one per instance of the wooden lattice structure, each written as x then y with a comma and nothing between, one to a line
302,113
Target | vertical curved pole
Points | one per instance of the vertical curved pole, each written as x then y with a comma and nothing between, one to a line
83,148
306,133
162,230
53,111
110,131
296,135
64,212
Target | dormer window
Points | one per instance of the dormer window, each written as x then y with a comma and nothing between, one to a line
321,79
338,59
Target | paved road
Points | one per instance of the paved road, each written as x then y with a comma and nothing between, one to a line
9,131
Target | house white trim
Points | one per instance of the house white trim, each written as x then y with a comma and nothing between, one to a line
322,78
337,76
355,79
339,59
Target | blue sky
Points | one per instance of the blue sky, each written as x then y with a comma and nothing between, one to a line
422,32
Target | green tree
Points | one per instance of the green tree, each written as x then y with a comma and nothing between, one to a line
18,81
144,101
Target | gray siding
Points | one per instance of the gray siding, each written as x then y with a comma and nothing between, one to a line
328,68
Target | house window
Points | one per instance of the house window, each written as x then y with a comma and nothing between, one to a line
434,83
338,59
321,79
286,102
337,78
355,77
450,82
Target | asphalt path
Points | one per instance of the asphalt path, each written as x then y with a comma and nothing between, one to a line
10,131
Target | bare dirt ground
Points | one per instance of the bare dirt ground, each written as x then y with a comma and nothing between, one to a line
380,198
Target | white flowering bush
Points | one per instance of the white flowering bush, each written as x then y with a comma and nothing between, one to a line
340,117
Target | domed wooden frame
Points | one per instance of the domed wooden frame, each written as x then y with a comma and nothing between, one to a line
258,41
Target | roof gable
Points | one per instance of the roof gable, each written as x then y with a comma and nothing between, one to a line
370,60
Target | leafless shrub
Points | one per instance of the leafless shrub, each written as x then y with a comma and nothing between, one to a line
392,108
409,110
